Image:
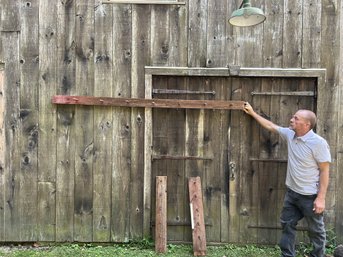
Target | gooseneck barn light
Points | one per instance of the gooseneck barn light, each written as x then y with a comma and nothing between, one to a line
246,15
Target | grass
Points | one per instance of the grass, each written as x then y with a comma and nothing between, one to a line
135,250
145,248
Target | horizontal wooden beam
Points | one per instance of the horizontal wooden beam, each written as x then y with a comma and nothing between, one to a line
267,160
241,72
142,2
174,157
148,103
291,93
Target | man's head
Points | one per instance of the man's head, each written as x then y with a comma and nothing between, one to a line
302,122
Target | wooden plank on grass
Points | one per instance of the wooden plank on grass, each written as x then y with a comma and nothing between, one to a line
197,216
194,142
161,215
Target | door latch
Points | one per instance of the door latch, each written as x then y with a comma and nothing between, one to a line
232,171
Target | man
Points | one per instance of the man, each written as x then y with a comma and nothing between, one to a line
306,180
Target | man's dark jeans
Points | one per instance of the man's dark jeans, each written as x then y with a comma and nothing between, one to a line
296,207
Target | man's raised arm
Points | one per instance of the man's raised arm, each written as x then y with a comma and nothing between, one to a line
267,124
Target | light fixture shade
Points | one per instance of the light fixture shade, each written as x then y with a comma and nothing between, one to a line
247,16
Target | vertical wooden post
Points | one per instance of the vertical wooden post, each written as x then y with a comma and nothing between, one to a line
161,215
2,124
197,216
2,151
147,159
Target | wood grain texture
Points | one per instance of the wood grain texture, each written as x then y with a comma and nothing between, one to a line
103,125
141,56
65,127
161,215
10,16
12,219
216,34
29,119
121,148
338,192
272,34
60,155
84,123
149,103
197,214
2,152
197,26
292,33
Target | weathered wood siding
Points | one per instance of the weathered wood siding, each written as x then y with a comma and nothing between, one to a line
71,173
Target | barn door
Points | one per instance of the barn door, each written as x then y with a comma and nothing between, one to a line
263,158
190,143
242,168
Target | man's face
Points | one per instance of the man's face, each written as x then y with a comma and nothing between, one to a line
298,123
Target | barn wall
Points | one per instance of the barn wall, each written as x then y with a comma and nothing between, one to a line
75,173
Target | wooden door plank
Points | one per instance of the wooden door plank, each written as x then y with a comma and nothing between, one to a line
292,34
329,102
121,149
194,141
103,125
159,35
277,194
255,166
148,103
197,23
161,215
65,143
216,33
272,34
84,117
233,167
266,175
141,49
311,36
159,168
214,145
224,172
12,132
47,117
10,18
245,189
176,168
29,130
2,153
197,216
178,35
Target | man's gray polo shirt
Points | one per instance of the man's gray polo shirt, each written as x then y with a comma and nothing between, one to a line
304,154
